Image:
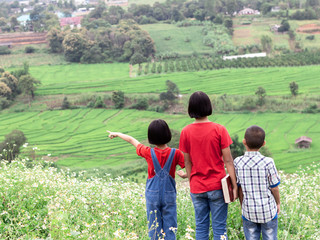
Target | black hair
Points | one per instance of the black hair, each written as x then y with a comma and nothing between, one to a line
159,132
254,137
199,105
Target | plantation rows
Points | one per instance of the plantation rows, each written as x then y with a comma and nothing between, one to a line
78,138
197,64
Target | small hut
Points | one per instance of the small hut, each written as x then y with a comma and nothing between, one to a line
303,142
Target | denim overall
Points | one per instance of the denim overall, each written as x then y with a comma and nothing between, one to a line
161,200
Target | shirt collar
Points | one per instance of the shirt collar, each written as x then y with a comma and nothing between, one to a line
251,154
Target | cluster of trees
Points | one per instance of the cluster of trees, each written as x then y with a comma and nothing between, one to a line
125,42
196,64
10,147
15,83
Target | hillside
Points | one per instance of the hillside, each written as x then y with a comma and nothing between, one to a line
77,139
59,205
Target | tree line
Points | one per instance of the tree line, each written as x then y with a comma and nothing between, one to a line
125,42
207,63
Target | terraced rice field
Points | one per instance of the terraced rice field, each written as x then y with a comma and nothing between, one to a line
80,78
78,138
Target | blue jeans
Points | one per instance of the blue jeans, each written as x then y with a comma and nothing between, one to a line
213,202
252,230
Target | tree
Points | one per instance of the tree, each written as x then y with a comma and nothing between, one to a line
5,91
55,38
65,103
285,26
261,93
74,45
137,58
237,148
294,88
27,84
10,147
118,99
266,43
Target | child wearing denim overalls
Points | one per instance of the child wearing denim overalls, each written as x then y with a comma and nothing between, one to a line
161,187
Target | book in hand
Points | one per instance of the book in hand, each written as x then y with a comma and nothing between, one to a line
227,189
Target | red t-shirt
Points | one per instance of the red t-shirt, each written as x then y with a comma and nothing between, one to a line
204,143
162,155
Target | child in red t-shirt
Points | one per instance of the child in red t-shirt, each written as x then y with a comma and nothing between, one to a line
161,187
205,145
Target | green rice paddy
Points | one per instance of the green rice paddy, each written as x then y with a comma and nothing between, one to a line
78,138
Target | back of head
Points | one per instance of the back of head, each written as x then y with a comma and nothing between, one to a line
159,132
254,137
199,105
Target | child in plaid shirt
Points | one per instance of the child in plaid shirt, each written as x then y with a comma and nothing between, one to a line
258,182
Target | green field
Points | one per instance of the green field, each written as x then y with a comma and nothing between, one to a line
82,78
251,34
178,35
79,139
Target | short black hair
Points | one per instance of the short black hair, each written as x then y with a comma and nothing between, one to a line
199,105
254,137
159,132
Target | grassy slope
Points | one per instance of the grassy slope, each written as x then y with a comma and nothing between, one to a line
79,139
81,78
251,34
177,43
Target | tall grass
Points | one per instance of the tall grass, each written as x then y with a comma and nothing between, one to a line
41,202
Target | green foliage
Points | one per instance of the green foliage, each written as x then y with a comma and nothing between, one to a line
74,45
10,147
141,104
294,88
118,99
4,50
266,43
261,94
174,143
65,103
100,104
237,148
29,49
27,84
285,26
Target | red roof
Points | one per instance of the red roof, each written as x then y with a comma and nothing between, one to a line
70,21
303,138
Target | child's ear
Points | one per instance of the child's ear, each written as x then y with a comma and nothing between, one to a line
244,142
264,143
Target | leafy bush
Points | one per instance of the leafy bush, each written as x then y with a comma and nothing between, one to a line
310,37
142,104
29,49
4,50
10,147
118,99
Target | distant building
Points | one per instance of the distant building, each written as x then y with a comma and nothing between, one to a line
248,11
73,22
275,9
274,28
303,142
117,2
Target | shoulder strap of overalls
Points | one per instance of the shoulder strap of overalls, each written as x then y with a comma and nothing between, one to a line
156,163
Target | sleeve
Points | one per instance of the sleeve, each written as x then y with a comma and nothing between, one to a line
273,177
183,143
226,140
180,158
142,150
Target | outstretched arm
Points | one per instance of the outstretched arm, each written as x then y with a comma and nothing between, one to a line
228,161
125,137
188,164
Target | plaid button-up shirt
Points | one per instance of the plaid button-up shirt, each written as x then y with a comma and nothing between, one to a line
257,174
